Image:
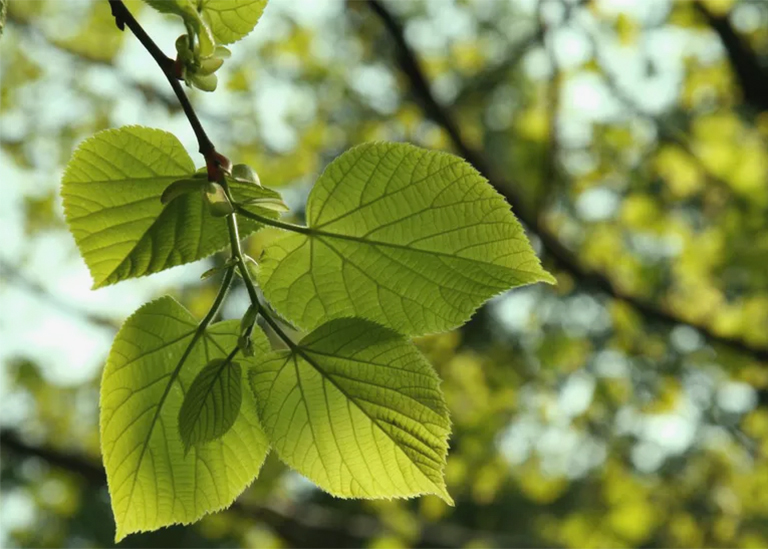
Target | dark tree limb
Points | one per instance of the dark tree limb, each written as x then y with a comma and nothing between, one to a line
562,257
752,77
303,524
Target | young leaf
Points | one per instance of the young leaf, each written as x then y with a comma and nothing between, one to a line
413,239
212,403
357,410
245,174
231,20
152,481
193,20
112,191
228,20
178,7
218,203
182,187
274,204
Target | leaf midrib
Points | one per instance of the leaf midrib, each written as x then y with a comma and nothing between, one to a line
318,233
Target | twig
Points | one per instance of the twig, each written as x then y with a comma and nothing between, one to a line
667,132
18,279
123,18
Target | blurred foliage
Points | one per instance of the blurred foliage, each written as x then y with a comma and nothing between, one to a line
579,421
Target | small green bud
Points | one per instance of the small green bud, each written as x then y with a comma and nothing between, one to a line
209,65
248,319
245,174
222,53
246,345
182,48
210,272
205,82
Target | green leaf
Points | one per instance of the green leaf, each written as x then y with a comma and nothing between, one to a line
216,198
112,191
274,204
212,403
357,410
184,8
228,20
152,481
182,187
231,20
413,239
245,174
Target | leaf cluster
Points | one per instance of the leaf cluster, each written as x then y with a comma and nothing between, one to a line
399,241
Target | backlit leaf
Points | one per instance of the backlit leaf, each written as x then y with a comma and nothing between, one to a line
413,239
356,409
231,20
228,20
112,191
212,403
153,482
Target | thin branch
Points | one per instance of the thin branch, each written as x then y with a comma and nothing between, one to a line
667,132
492,77
562,257
123,18
750,74
20,280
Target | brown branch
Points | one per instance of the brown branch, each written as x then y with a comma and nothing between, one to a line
124,18
556,251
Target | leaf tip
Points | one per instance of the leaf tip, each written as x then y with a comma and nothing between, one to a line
446,497
441,491
120,534
548,277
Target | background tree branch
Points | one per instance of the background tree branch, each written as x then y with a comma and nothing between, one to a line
304,524
750,73
555,250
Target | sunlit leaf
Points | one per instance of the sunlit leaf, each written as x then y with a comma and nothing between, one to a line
231,20
228,20
212,403
357,409
413,239
153,482
112,191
